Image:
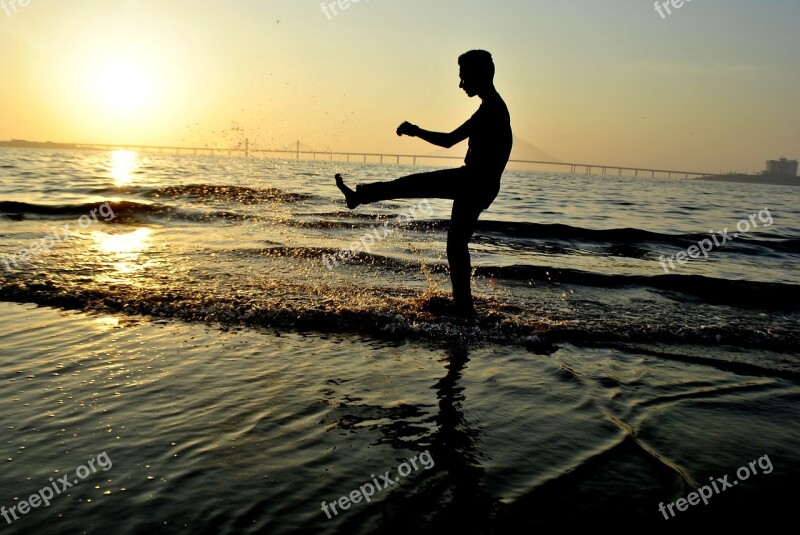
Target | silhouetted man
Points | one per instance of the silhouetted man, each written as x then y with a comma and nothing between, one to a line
473,187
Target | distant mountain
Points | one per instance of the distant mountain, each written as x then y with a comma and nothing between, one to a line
23,144
523,150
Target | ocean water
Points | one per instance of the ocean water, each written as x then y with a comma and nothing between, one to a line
203,329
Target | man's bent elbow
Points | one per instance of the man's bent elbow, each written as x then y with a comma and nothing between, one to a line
450,141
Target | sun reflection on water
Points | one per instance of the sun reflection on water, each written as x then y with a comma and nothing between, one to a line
106,323
133,242
123,250
123,164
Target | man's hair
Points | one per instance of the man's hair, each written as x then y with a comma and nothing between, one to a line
477,64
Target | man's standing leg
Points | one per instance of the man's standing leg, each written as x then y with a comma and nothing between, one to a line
463,220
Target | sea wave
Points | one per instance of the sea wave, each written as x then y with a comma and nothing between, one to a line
123,211
619,238
396,314
207,193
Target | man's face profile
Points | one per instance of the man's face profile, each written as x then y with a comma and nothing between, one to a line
466,84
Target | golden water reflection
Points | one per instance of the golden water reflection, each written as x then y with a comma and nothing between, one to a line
123,164
132,242
123,250
106,323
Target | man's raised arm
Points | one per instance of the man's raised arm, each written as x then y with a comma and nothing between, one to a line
440,139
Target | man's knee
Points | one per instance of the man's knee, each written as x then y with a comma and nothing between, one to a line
457,245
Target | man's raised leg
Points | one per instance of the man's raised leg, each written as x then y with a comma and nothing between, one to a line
443,184
350,196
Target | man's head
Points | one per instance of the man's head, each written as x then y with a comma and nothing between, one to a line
476,72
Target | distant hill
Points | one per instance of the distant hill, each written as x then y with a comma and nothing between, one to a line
23,144
522,150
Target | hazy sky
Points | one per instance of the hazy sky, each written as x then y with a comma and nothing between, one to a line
713,87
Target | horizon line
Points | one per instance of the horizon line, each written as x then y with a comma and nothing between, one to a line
246,150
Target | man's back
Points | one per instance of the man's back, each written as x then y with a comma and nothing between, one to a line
490,138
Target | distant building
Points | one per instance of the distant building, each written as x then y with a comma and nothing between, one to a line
782,167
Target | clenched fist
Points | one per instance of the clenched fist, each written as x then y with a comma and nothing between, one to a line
407,129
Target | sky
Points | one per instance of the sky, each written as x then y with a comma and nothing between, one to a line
710,86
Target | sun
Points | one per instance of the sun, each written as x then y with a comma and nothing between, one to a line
123,87
120,90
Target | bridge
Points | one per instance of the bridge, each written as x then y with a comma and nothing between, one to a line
299,153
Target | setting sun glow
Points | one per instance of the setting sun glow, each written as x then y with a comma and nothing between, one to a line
123,88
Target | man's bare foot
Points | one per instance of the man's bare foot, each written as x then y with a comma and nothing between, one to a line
350,196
